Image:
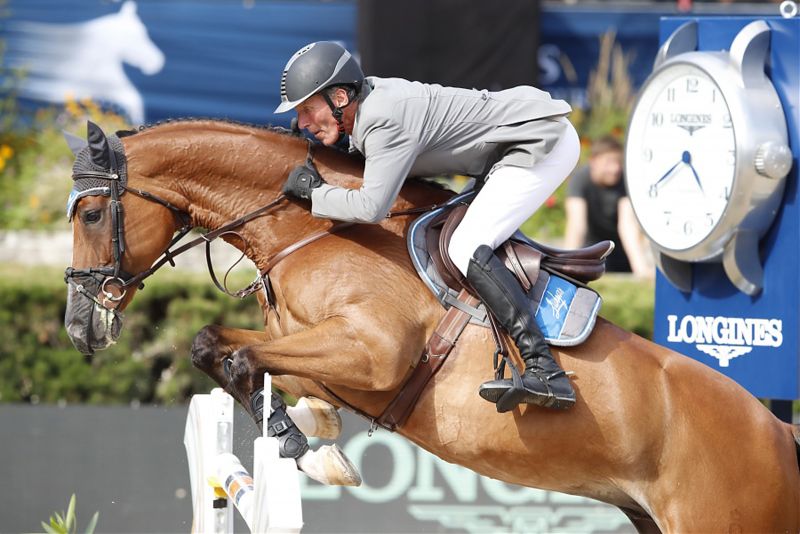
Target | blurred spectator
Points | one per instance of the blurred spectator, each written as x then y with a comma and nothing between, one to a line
598,208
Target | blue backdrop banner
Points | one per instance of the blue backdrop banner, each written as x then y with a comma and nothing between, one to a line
154,60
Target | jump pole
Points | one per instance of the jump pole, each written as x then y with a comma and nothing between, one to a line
269,501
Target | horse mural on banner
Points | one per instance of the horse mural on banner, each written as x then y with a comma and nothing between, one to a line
85,60
677,446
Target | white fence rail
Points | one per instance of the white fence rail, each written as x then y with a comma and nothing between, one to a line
269,501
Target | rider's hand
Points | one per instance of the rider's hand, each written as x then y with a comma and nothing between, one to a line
302,180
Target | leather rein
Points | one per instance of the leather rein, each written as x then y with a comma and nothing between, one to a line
116,276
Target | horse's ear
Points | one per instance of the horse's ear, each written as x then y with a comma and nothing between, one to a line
128,8
75,143
98,145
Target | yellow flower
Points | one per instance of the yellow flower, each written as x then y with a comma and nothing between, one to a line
72,106
91,107
33,201
6,152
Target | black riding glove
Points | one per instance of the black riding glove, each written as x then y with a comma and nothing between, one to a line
302,180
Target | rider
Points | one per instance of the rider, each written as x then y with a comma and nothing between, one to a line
518,141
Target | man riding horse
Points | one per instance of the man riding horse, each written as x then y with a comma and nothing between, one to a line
517,142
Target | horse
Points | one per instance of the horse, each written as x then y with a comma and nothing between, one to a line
674,444
84,60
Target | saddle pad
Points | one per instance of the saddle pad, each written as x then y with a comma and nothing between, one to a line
565,312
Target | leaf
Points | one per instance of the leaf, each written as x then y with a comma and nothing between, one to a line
70,517
92,524
47,528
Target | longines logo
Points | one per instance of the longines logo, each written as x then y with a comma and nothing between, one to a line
441,497
725,338
557,302
691,122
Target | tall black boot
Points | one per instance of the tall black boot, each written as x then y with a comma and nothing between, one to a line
544,382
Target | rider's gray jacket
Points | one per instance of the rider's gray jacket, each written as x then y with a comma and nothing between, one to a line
408,128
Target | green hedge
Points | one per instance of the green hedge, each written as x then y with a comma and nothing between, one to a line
150,362
628,302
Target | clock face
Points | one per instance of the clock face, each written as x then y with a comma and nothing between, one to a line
680,157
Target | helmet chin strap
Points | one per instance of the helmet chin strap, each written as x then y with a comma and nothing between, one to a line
337,112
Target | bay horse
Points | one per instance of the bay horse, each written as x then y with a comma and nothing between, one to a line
677,446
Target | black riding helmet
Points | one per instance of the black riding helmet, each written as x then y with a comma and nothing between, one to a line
315,67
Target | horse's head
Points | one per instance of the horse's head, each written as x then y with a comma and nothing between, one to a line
134,42
110,249
131,195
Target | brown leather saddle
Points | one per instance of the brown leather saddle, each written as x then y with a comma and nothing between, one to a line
531,262
524,257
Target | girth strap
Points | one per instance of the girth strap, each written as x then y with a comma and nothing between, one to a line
437,349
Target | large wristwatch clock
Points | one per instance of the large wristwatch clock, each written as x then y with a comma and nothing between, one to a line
706,156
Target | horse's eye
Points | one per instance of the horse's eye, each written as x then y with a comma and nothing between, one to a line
92,216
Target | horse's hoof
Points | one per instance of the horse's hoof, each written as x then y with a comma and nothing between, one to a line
315,417
329,465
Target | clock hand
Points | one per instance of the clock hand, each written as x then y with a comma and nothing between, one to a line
687,158
655,186
666,174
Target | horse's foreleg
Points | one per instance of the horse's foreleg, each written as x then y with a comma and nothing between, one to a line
333,351
214,345
212,350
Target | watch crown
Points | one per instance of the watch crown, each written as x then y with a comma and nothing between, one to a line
773,159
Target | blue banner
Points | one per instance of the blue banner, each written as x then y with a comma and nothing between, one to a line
153,60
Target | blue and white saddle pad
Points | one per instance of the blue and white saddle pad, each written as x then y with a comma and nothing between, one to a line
566,313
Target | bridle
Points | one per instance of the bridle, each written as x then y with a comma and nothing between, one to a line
115,276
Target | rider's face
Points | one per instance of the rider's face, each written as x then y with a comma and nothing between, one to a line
315,116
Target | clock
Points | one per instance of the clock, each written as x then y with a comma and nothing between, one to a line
706,156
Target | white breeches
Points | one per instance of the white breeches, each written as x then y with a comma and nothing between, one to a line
509,197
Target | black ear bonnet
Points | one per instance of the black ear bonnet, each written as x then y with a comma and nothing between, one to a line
94,163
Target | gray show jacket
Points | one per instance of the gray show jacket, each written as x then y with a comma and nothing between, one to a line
408,128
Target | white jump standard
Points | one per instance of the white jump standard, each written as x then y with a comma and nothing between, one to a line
269,501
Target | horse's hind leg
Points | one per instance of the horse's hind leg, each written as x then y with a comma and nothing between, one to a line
643,523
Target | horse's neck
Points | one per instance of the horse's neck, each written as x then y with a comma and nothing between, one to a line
221,173
218,172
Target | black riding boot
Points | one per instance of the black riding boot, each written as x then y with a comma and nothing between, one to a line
544,382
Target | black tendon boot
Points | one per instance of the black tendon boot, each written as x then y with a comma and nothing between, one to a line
543,382
291,442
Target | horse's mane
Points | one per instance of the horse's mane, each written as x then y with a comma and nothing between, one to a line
264,127
289,132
